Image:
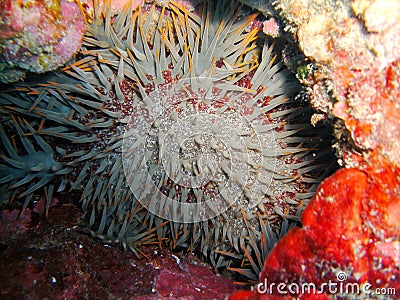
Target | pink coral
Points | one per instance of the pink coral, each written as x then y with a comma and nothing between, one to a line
271,27
38,36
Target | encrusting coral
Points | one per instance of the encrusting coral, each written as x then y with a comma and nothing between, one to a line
350,234
65,132
37,36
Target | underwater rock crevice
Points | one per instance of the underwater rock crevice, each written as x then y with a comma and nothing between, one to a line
78,116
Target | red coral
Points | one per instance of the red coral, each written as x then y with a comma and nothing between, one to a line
351,225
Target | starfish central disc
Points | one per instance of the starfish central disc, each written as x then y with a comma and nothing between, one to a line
193,149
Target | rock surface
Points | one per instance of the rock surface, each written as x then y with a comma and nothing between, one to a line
51,258
351,72
37,36
354,82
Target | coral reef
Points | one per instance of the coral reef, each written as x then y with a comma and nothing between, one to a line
360,219
353,49
37,36
271,28
13,222
350,228
51,257
115,6
370,109
67,134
